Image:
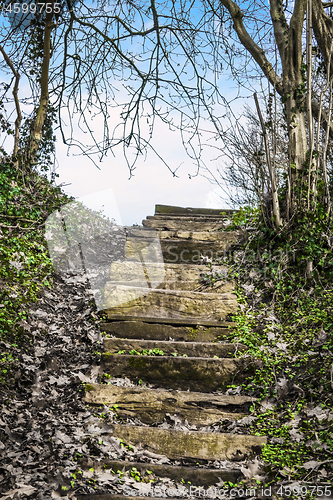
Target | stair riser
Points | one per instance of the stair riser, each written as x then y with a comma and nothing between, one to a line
141,303
177,225
184,251
187,286
133,270
169,209
152,406
194,374
198,445
209,219
191,236
166,276
155,331
194,349
178,251
195,475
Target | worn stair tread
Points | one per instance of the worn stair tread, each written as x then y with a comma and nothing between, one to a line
202,236
162,331
113,496
177,372
186,286
177,444
177,250
158,272
152,406
184,225
146,302
128,269
197,476
169,209
166,276
170,321
192,349
189,218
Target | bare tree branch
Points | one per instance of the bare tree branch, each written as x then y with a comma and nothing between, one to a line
37,127
281,28
16,100
276,208
257,53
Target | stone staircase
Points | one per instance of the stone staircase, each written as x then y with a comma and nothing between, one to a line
176,318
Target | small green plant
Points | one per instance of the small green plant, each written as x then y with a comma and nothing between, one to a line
136,474
147,352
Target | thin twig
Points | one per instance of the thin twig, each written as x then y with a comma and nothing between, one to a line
309,82
16,100
20,218
276,208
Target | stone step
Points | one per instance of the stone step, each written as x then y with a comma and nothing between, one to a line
175,321
168,276
162,331
189,218
114,496
196,476
130,270
184,225
186,286
153,405
106,496
179,372
169,209
177,444
191,349
147,234
178,251
145,302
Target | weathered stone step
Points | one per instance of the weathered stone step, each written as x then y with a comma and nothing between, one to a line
186,286
169,209
197,476
152,406
160,331
189,218
112,496
136,271
218,236
192,349
178,251
178,372
107,496
167,276
184,225
145,302
176,444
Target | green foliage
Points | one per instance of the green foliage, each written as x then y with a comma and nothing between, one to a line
285,319
26,199
242,218
145,352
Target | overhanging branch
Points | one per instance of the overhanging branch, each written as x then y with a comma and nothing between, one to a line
16,100
257,52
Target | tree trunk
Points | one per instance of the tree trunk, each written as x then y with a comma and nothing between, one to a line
36,133
294,92
297,136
